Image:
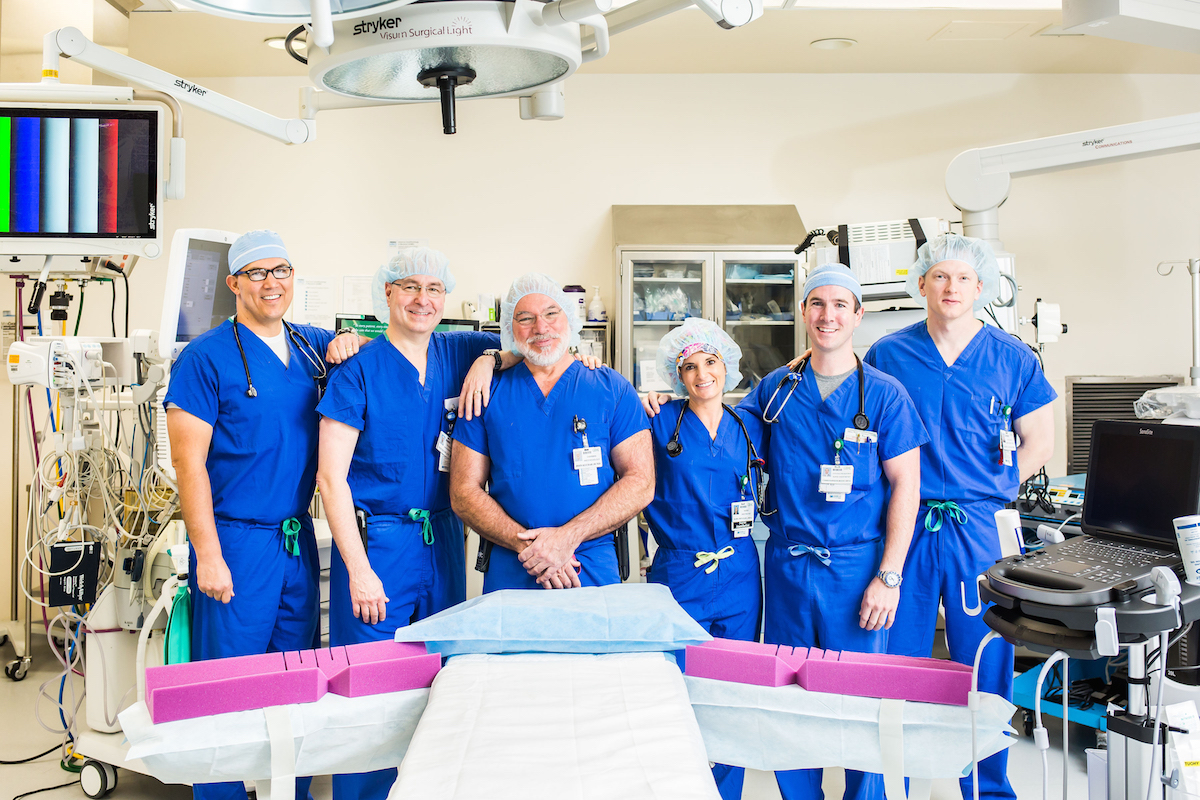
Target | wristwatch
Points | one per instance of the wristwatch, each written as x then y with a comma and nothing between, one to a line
340,331
890,579
496,355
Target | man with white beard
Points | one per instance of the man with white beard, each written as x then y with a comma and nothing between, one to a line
558,460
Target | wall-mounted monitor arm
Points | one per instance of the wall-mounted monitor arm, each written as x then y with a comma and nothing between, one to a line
978,180
70,42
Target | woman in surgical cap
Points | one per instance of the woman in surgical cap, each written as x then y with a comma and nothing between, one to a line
706,458
384,462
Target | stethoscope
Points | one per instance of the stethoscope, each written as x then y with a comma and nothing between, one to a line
861,421
675,447
302,344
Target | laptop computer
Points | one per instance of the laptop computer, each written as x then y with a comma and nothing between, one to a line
1141,475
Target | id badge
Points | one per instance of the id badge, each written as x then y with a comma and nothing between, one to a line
836,481
741,518
1008,445
588,461
443,446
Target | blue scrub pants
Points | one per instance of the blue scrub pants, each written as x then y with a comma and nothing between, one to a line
810,604
597,567
726,602
939,561
275,608
419,580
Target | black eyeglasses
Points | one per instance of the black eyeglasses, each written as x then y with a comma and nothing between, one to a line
259,274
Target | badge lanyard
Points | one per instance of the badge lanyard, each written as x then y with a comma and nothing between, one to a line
587,460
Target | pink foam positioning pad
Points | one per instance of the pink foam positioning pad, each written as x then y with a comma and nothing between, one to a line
745,662
379,667
223,685
926,680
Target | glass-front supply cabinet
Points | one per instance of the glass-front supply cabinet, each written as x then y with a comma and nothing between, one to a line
752,293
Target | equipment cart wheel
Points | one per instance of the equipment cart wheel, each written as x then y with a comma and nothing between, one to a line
97,778
17,670
3,639
1027,722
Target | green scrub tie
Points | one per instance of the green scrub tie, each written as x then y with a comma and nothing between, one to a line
948,508
712,559
291,535
422,516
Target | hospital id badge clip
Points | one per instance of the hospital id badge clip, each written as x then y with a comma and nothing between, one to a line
588,462
741,518
443,446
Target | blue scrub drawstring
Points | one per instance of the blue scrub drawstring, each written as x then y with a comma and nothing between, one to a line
822,553
951,509
422,516
291,535
712,559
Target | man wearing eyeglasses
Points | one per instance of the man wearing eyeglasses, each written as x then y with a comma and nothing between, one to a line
242,420
559,460
384,460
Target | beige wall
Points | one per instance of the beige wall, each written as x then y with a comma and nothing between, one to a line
504,196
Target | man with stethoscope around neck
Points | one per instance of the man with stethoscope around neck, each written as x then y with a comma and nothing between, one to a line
242,418
843,452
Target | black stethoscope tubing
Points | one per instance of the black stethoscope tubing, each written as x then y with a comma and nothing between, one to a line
675,447
306,349
861,421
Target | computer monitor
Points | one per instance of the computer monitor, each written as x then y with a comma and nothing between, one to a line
362,324
80,180
457,325
1141,475
196,298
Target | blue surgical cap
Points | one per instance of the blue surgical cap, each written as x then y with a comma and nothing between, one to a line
975,253
253,246
406,263
536,283
708,334
833,275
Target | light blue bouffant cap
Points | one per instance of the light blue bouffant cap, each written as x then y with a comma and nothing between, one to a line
975,253
406,263
697,335
255,245
833,275
536,283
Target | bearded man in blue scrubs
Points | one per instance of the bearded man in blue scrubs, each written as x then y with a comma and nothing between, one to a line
537,473
986,404
843,452
242,419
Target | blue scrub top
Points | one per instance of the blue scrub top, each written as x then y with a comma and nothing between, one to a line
395,464
802,440
262,461
529,439
961,406
695,490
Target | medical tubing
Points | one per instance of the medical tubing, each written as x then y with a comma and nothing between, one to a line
79,313
973,702
46,789
1039,733
31,758
1162,680
166,595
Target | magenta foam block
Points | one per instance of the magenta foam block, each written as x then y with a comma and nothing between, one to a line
744,662
220,686
925,680
379,667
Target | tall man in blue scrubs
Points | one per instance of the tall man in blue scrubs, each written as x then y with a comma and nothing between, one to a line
384,463
566,452
843,445
242,421
986,404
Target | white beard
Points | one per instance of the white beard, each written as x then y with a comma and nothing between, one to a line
542,359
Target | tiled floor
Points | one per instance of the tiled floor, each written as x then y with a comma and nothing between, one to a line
21,736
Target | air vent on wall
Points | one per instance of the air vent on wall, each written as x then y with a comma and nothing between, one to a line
1092,397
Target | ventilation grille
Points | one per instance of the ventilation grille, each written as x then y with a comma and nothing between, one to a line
1090,398
893,231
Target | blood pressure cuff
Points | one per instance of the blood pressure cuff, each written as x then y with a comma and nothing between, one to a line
619,618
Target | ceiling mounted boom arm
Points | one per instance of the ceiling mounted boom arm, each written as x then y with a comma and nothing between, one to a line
978,180
70,42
